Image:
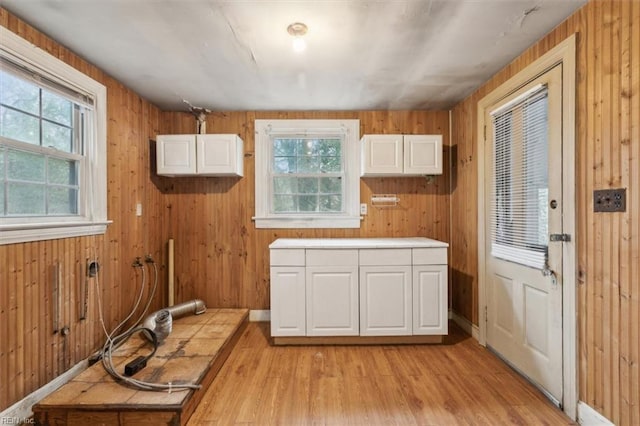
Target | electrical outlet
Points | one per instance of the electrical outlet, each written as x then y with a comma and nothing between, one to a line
610,200
363,209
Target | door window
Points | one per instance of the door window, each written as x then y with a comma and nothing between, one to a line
519,222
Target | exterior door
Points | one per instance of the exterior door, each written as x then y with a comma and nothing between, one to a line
523,209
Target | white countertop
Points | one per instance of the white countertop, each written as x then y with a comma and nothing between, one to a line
355,243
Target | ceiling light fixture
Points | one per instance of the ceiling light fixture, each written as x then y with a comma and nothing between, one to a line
298,30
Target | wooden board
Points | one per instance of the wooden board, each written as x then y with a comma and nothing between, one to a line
194,352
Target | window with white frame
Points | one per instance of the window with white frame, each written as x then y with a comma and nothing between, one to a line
521,191
52,146
307,173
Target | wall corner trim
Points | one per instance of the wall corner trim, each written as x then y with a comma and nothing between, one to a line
588,416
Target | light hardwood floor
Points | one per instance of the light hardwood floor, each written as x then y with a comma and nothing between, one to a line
457,383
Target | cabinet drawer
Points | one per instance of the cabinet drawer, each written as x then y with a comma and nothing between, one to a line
378,257
287,257
332,257
430,256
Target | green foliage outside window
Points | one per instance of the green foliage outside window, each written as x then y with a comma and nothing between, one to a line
39,174
308,175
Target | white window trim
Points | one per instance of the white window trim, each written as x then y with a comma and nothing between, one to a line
351,153
94,220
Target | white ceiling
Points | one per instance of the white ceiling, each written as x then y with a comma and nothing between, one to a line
237,55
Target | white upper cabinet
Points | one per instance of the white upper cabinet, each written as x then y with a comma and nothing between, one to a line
203,155
401,155
176,154
422,154
219,155
382,155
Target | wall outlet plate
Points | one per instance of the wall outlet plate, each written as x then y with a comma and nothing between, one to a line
610,200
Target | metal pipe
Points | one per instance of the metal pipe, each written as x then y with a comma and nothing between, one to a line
55,299
192,307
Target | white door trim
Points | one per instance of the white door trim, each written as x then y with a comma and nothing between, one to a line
564,53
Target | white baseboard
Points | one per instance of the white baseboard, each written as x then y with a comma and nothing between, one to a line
21,410
587,416
465,324
256,315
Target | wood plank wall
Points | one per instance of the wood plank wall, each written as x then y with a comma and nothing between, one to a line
608,156
222,258
30,353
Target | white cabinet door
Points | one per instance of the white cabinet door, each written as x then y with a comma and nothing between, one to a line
423,154
288,301
430,313
220,155
332,301
382,155
176,155
385,301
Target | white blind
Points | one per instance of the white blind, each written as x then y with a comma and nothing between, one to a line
48,83
519,220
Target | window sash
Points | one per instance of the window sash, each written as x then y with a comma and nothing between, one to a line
43,192
48,184
519,216
297,196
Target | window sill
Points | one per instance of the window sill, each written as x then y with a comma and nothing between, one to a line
308,222
13,234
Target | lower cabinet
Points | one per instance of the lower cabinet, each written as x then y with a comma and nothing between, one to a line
332,301
366,292
288,312
385,301
332,292
430,313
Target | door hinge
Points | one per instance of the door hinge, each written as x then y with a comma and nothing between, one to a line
486,314
559,237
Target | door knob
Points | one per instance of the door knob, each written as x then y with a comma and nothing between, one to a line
548,272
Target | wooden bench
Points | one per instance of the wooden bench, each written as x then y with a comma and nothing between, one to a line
194,352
